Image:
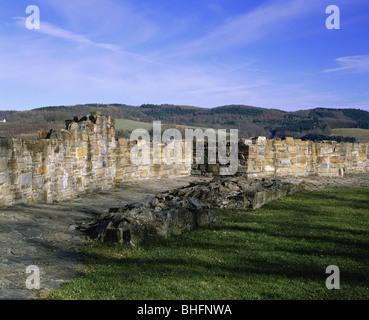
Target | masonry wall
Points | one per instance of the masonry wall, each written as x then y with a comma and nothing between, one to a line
126,170
85,157
259,157
66,164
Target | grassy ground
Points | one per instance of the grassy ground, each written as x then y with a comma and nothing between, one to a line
279,251
361,135
131,125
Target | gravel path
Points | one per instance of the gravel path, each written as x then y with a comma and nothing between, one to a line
45,235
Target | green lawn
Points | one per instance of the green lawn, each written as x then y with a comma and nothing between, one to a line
279,251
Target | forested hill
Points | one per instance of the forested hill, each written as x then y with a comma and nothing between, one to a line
251,121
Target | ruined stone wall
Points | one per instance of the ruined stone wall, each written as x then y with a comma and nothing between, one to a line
63,165
126,170
85,157
260,157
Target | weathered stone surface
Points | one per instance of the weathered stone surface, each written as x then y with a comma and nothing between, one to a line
293,157
86,156
184,209
67,163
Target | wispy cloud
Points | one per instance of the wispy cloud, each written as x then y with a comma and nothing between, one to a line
352,63
54,31
125,20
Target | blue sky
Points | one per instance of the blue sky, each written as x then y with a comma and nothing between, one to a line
206,53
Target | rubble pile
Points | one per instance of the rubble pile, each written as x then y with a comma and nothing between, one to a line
183,209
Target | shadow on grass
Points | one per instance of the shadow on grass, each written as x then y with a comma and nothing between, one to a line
286,242
244,269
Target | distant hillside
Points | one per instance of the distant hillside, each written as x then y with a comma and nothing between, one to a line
361,135
251,121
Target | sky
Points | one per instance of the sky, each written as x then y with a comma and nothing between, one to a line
206,53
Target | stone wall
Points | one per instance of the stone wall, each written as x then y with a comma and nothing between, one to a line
85,157
260,157
61,165
126,170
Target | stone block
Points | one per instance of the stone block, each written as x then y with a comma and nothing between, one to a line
143,168
278,142
26,180
35,146
100,172
283,171
283,155
81,151
3,178
280,149
269,155
289,140
302,159
12,164
43,169
299,142
285,162
3,164
269,168
5,191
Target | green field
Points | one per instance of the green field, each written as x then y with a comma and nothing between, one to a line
131,125
277,252
361,135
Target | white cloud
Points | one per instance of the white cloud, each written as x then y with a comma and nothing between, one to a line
121,22
352,63
54,31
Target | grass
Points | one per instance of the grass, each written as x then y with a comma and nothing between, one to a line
279,251
361,135
131,125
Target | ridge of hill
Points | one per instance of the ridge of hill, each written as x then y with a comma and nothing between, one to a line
251,121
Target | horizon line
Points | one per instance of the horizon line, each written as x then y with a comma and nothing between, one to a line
185,105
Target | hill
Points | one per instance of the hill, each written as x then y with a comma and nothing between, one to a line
251,121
